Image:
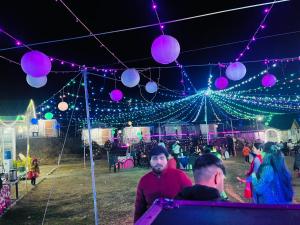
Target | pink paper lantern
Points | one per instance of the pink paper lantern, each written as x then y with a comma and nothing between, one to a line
268,80
221,83
116,95
36,63
62,106
165,49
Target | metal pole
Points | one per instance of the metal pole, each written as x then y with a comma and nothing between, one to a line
205,118
27,153
84,151
231,127
90,146
257,129
159,132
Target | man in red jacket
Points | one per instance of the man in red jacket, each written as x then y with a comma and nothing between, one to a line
161,182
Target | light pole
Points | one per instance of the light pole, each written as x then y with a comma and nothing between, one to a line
258,119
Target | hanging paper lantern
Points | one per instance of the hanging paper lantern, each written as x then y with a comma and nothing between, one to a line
36,82
116,95
34,121
48,115
130,77
36,63
268,80
62,106
151,87
236,71
221,83
165,49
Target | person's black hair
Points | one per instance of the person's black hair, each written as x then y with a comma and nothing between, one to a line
207,160
271,147
157,150
258,145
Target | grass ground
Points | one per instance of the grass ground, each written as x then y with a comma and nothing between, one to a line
71,200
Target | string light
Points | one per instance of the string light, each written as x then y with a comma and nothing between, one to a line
261,26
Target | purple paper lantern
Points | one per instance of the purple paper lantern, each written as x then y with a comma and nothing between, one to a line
116,95
165,49
36,63
268,80
221,83
236,71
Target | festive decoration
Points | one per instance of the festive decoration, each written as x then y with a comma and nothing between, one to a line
151,87
48,116
34,121
129,123
165,49
268,80
221,83
236,71
261,26
36,82
62,106
36,63
130,78
116,95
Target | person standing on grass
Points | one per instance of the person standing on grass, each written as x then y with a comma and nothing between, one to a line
230,145
35,171
161,182
272,183
246,152
254,166
176,150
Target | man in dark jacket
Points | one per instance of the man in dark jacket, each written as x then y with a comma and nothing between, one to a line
209,174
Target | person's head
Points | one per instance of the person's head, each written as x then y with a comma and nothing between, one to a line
257,148
209,171
158,159
34,162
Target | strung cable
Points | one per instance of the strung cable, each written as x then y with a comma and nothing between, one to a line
59,157
40,105
143,26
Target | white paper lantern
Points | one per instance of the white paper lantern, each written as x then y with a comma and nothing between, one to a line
130,78
62,106
151,87
36,82
236,71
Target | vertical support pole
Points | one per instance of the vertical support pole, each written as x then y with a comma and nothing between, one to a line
90,146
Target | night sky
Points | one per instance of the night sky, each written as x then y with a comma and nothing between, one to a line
34,21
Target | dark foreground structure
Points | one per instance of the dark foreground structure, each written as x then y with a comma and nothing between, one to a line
179,212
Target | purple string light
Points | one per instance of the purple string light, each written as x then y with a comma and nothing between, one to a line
261,26
62,62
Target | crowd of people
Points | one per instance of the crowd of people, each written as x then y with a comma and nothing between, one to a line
268,180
